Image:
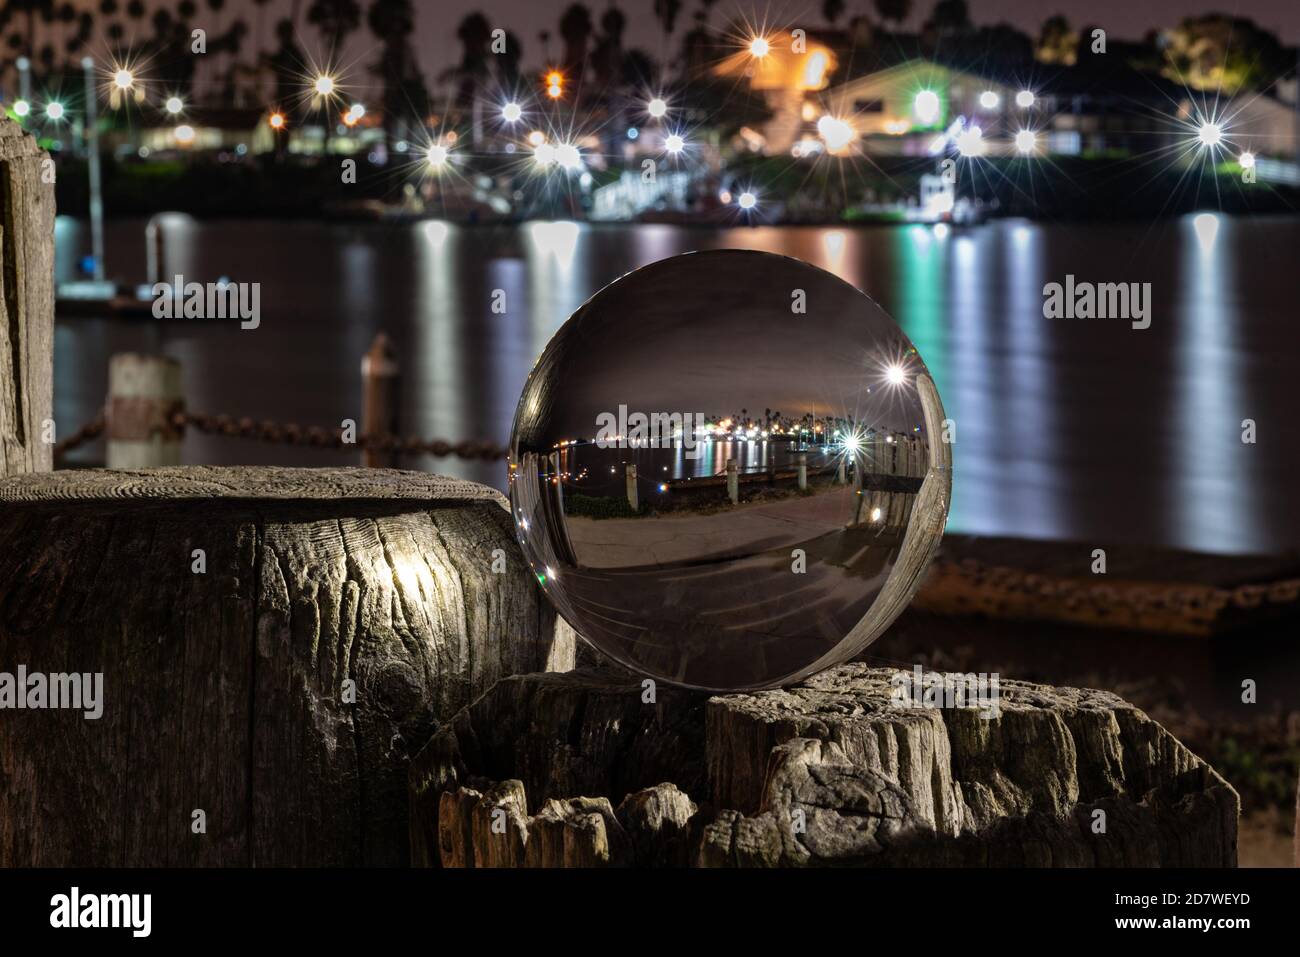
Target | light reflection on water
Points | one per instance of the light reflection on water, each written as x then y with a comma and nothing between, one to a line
1079,429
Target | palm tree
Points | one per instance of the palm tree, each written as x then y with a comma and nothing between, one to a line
576,29
474,33
666,12
895,10
391,22
335,19
258,33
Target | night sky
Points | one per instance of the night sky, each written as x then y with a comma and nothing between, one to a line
436,19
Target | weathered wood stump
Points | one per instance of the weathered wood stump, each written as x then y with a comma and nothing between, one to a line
573,769
26,302
274,643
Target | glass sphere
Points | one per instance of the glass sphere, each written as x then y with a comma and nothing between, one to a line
728,470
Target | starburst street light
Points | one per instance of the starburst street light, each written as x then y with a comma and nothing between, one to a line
926,106
1246,160
1025,99
657,107
568,156
123,79
54,110
747,200
323,85
675,143
989,100
512,112
759,47
22,108
275,120
970,142
1026,142
895,375
436,156
836,133
174,105
1210,134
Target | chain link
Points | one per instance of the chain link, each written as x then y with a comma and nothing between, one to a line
312,436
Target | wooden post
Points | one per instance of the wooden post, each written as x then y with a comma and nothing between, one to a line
379,393
144,394
155,252
26,304
733,481
803,471
840,478
632,498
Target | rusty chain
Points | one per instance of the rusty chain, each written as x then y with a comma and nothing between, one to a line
1201,601
1142,598
291,434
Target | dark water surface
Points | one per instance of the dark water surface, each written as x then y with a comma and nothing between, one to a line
1083,429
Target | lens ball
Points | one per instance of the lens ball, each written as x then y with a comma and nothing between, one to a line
729,470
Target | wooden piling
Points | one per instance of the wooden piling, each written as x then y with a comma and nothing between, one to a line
380,382
803,470
733,481
632,498
144,395
26,304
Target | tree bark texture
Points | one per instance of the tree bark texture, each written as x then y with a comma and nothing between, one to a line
227,681
26,303
829,772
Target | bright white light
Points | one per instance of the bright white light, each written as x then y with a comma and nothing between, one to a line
852,443
926,106
941,231
54,110
1210,134
1206,226
759,47
747,200
942,202
184,134
123,79
511,112
436,156
875,514
568,156
22,107
1026,142
1025,99
1246,160
174,105
895,375
989,100
657,107
674,143
536,138
324,85
835,132
544,154
970,142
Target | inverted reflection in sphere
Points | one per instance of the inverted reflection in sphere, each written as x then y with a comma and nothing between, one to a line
728,470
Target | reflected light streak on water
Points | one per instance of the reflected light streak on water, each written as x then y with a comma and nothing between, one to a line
1118,434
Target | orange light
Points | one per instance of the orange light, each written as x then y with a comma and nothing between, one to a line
276,121
555,84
